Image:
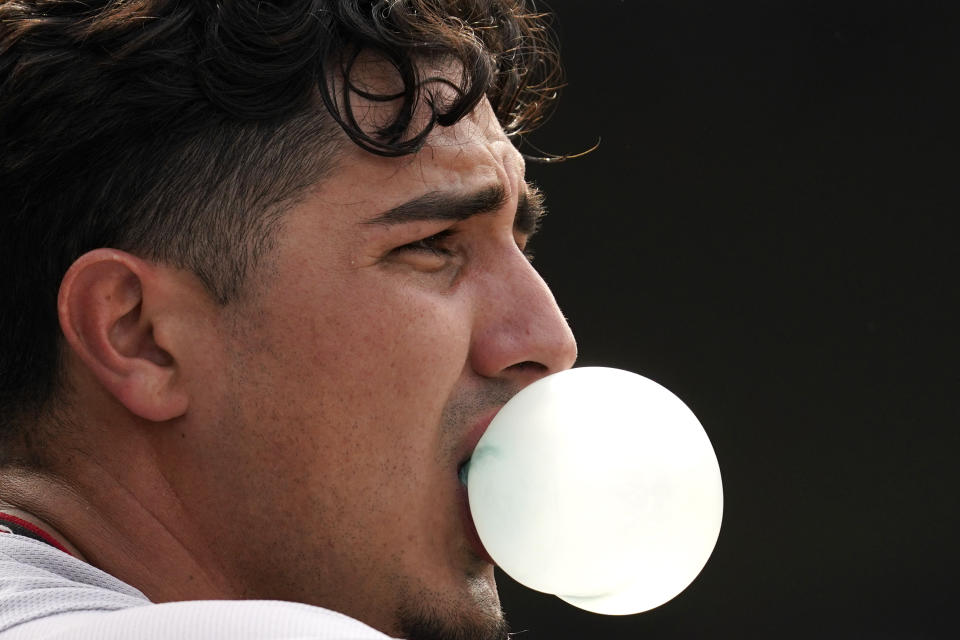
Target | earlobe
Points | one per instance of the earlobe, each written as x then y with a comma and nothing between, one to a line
101,308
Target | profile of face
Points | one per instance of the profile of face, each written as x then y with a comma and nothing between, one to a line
395,314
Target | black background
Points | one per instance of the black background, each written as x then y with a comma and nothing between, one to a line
768,229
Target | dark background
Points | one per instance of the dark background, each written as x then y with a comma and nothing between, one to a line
768,229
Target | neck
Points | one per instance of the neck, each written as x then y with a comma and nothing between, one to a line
119,536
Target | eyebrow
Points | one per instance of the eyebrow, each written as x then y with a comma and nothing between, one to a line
454,207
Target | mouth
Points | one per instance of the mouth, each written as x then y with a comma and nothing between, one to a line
470,529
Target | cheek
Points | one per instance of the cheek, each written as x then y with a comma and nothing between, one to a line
340,372
382,368
392,343
367,360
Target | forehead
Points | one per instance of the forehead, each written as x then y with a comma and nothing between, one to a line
473,151
470,156
474,148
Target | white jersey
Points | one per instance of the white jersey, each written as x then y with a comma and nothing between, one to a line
46,594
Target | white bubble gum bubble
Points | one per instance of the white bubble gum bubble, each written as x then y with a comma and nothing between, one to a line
600,486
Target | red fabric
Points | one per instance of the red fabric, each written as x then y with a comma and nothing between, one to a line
34,529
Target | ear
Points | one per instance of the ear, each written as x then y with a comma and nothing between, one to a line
111,306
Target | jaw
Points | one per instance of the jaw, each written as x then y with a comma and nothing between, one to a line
474,615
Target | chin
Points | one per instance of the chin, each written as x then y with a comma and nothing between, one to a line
424,622
439,616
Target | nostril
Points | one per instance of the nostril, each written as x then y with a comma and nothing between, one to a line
529,365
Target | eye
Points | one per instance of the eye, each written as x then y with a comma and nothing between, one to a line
432,254
437,244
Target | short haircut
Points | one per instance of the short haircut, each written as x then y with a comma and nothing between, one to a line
182,131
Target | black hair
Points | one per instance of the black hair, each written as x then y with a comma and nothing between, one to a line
180,131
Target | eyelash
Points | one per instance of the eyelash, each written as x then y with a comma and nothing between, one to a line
433,244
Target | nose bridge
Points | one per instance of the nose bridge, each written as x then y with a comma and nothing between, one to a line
518,322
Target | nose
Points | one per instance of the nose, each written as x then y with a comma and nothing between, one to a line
519,333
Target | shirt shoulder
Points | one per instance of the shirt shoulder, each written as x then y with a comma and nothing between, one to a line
46,594
38,581
208,620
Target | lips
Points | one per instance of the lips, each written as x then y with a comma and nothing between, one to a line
470,529
473,436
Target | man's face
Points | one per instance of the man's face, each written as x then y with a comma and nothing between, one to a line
395,315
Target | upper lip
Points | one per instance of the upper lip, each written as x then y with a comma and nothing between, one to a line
474,434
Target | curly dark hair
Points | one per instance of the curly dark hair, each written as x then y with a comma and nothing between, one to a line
181,131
